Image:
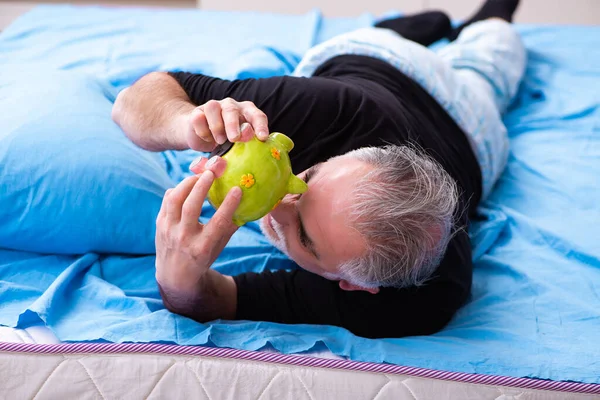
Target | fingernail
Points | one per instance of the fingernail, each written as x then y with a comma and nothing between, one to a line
196,162
263,134
212,161
239,131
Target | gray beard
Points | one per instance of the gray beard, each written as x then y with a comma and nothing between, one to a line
278,243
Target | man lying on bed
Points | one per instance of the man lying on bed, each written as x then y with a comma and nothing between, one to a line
398,145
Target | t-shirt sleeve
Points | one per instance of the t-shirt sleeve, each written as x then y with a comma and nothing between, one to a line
300,297
317,113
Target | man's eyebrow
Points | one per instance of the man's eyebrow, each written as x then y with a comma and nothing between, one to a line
304,238
312,171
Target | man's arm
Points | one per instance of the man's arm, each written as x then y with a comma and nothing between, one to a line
154,113
300,297
318,113
186,249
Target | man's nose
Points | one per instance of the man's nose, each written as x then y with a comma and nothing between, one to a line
284,212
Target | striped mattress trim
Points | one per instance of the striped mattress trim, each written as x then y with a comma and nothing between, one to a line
305,361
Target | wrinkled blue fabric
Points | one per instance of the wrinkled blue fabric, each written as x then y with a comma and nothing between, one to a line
535,306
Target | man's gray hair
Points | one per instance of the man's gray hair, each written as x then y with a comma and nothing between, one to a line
404,209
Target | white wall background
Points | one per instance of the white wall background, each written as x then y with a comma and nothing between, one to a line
530,11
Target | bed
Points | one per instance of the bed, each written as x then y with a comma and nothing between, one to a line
80,311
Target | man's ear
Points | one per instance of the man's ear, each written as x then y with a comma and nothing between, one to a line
345,285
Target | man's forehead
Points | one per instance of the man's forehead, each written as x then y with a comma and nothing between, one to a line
341,166
326,210
335,182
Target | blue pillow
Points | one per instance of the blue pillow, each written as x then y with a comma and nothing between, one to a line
70,180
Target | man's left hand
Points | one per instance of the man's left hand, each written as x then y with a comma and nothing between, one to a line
185,248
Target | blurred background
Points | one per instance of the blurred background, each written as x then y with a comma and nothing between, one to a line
585,12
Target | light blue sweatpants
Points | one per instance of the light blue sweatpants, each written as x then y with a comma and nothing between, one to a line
473,78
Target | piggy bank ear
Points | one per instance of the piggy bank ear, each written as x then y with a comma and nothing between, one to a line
283,140
296,185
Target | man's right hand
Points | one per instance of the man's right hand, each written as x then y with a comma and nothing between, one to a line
215,122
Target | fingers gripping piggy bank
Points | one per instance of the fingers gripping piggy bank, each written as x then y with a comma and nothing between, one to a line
264,172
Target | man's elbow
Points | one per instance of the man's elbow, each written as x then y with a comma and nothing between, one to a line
188,306
173,307
126,97
118,107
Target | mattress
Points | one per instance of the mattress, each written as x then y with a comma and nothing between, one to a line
545,327
36,365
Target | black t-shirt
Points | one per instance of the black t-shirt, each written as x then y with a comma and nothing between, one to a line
351,102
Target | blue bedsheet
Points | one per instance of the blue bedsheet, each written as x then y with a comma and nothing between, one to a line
535,307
